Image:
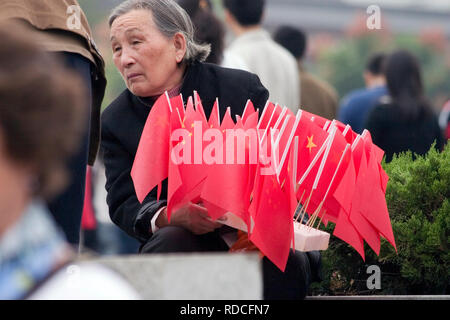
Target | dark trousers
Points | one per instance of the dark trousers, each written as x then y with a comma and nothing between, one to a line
67,207
292,284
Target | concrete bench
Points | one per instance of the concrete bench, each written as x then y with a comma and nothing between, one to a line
209,276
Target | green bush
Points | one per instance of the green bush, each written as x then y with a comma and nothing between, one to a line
418,198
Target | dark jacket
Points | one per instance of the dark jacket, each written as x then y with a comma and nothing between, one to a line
124,119
394,134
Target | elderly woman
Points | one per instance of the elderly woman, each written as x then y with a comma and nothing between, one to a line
154,50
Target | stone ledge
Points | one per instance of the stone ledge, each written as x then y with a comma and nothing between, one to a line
199,276
385,297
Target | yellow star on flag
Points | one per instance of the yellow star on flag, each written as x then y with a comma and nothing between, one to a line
311,144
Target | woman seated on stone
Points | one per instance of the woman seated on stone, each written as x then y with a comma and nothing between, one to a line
154,50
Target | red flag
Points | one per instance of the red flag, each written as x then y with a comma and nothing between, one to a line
227,184
248,111
227,121
191,169
175,190
362,225
266,114
177,103
273,223
199,106
345,230
377,213
88,221
346,187
318,120
311,139
214,117
150,165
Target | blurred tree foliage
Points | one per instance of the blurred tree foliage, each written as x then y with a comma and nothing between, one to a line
343,64
418,198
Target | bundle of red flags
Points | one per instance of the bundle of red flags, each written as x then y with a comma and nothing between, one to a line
262,167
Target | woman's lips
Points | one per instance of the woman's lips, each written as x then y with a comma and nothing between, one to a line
133,75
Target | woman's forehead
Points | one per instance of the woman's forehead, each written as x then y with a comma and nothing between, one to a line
133,21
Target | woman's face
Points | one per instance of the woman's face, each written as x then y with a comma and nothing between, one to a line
146,59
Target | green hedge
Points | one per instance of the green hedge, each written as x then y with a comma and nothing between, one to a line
418,198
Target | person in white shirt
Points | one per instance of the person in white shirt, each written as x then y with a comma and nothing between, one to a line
274,65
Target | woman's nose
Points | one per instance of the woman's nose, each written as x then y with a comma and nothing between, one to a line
127,58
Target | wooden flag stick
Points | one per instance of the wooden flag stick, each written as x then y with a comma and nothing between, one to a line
299,203
304,208
320,221
168,101
313,218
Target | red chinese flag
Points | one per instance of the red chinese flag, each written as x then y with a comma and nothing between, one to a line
150,165
192,170
345,231
273,223
318,120
346,187
248,111
362,225
266,114
377,213
175,189
214,117
177,104
311,138
226,185
199,106
227,121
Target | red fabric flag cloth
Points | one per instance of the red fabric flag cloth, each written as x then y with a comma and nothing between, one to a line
332,167
227,121
377,213
150,166
199,106
273,222
248,111
318,120
175,190
345,231
359,205
266,115
88,221
177,103
189,170
311,139
226,185
345,189
214,117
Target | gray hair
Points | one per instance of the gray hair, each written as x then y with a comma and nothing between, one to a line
170,19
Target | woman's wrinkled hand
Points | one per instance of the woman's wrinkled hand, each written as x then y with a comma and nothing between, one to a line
193,217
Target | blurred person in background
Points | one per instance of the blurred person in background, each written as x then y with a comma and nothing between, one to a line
60,27
208,28
356,106
275,66
444,119
404,120
41,125
317,96
155,51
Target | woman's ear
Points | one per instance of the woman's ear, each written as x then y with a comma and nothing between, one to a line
180,46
